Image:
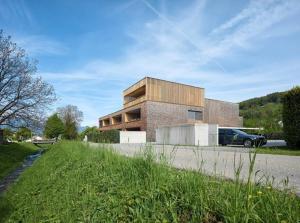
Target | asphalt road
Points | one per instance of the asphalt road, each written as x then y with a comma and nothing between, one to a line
223,161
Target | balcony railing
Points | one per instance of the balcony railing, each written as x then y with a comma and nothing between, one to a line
136,101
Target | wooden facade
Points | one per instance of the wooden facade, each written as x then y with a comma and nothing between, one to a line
152,89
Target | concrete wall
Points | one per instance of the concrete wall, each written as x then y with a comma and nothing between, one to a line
132,137
222,113
213,134
189,134
183,135
201,135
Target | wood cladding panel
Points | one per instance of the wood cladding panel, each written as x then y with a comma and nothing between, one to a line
165,91
136,101
134,87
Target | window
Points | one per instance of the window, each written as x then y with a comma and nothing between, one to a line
195,115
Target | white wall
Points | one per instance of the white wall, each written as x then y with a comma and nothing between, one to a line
132,137
189,134
201,134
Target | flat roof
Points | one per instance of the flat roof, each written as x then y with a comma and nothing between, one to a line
221,101
162,80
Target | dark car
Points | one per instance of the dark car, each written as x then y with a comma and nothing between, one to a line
238,137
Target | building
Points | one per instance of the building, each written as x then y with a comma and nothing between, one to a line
151,103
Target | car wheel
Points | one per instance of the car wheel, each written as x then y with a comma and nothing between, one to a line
248,143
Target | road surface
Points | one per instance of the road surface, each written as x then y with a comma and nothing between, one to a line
223,161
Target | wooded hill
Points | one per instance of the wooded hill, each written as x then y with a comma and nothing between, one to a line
263,112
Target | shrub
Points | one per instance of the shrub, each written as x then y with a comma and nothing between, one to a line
274,135
291,117
110,136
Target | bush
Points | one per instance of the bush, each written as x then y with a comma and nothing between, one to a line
274,135
110,136
291,117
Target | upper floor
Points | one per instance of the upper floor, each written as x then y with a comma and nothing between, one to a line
153,89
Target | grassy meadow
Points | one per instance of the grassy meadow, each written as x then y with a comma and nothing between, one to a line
12,156
74,183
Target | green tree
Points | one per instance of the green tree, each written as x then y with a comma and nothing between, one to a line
70,130
89,131
71,117
54,127
291,117
8,133
23,133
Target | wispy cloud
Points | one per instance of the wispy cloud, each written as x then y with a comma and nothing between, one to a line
16,10
41,45
175,47
248,25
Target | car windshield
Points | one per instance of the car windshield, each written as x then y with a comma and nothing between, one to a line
239,132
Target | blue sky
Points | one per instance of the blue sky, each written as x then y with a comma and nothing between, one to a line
92,50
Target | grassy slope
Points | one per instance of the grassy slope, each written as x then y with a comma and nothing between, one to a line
73,183
12,156
263,111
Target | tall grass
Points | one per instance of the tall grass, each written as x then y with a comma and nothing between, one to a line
12,156
73,183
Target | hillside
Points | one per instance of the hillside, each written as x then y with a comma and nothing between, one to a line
263,112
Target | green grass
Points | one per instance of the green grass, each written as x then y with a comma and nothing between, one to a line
278,151
12,156
74,183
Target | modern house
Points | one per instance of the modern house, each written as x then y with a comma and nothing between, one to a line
151,103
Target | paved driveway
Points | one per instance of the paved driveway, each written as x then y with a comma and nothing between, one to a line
221,160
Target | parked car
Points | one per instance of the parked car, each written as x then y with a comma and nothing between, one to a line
238,137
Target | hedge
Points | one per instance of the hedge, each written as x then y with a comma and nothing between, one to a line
291,117
110,136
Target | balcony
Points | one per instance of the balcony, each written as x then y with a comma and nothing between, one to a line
117,119
133,115
135,97
105,122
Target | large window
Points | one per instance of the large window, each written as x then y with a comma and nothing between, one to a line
195,115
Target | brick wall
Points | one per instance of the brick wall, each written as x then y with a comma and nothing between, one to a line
222,113
166,114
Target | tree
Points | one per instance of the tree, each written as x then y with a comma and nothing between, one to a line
23,133
54,127
291,117
88,131
70,130
23,97
71,118
8,133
